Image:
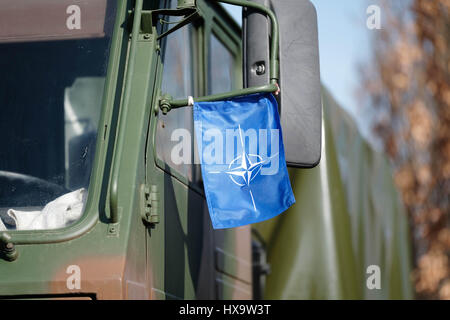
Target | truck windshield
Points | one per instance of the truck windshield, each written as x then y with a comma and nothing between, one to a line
53,62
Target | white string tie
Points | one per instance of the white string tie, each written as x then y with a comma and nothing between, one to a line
190,101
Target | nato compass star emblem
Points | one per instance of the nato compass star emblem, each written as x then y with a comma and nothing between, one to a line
245,168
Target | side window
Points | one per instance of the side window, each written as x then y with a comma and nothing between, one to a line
174,129
221,66
175,143
51,89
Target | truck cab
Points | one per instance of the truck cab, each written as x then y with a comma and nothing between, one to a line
80,88
101,193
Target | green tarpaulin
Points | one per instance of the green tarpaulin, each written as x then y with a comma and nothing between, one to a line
348,216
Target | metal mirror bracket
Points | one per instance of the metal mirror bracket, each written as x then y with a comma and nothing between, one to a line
166,103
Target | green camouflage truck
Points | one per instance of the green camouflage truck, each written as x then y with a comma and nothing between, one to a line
93,206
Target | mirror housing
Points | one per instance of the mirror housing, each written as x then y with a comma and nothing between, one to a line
300,102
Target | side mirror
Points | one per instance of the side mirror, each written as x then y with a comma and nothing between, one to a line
290,63
300,98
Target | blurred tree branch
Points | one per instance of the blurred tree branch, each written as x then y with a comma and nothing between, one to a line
408,85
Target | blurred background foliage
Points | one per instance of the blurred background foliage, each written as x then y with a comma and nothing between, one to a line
406,89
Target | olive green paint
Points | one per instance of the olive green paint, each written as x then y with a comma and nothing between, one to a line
318,249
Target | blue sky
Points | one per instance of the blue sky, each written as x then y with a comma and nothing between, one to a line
344,42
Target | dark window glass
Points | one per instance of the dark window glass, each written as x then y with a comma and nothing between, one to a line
175,128
221,67
51,87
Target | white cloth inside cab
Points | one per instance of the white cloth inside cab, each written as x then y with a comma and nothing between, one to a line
2,226
58,213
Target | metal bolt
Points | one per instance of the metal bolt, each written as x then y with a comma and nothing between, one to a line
260,69
147,36
10,251
164,104
165,109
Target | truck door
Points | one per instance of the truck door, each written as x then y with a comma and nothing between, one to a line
186,257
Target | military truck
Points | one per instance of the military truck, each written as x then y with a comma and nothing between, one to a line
91,93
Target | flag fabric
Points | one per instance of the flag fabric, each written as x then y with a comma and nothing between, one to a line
240,148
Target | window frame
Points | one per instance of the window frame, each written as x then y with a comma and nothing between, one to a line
196,71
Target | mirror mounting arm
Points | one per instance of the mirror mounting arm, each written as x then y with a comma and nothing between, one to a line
166,103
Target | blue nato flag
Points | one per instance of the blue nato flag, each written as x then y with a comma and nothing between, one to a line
240,148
